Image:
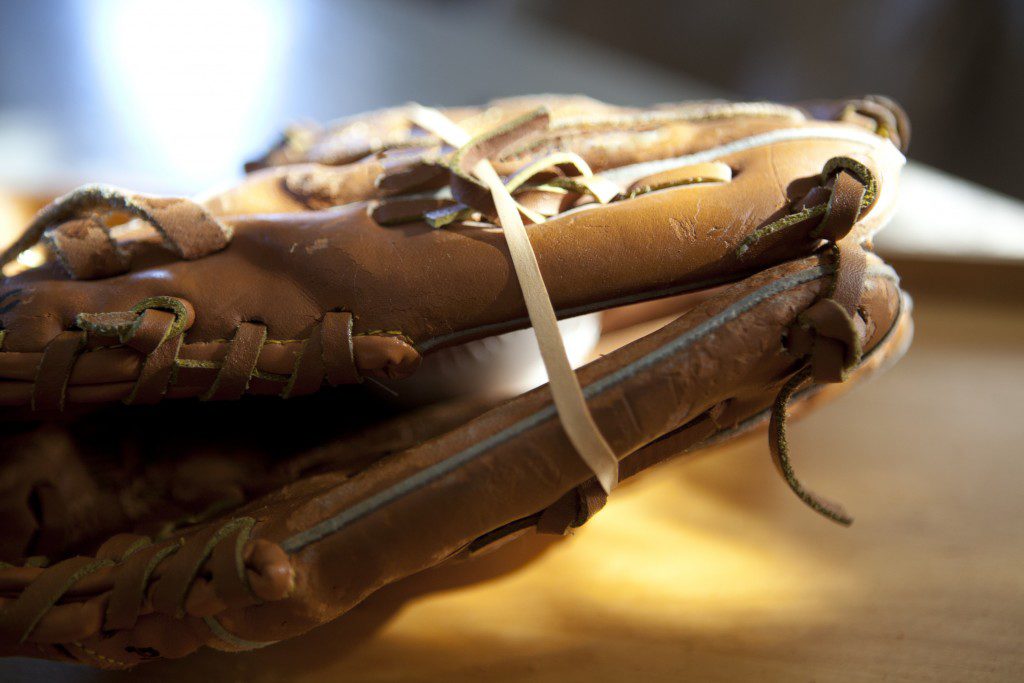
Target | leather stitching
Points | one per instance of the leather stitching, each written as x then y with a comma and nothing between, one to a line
30,614
163,349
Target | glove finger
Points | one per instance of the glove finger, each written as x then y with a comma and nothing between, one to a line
710,375
412,289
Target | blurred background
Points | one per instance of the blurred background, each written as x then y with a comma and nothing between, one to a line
171,97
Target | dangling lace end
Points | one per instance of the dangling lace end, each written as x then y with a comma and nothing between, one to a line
780,453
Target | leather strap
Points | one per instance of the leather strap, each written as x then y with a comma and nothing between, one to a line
119,546
239,363
154,338
171,589
851,266
86,249
843,208
151,330
328,353
778,444
468,186
337,350
187,228
54,370
308,375
129,587
19,618
828,335
229,575
573,509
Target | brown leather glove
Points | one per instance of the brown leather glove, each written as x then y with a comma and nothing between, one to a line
310,274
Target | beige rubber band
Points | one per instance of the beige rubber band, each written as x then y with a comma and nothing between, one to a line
565,388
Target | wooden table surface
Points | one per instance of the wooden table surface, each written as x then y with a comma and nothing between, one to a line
709,569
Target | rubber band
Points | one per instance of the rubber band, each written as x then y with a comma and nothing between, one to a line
568,397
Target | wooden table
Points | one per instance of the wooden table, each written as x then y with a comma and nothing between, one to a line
709,569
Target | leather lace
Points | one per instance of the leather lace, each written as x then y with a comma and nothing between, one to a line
156,327
827,337
77,229
216,568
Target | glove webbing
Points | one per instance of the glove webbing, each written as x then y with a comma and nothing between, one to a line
74,228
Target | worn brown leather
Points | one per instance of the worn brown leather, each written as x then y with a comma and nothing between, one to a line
411,288
132,536
348,517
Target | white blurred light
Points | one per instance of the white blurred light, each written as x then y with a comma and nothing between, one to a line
940,215
189,81
30,258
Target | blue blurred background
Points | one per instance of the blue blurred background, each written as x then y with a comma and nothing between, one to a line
172,96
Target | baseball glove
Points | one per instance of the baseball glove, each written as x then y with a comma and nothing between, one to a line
349,255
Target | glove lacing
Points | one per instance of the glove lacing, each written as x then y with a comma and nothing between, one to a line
827,337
